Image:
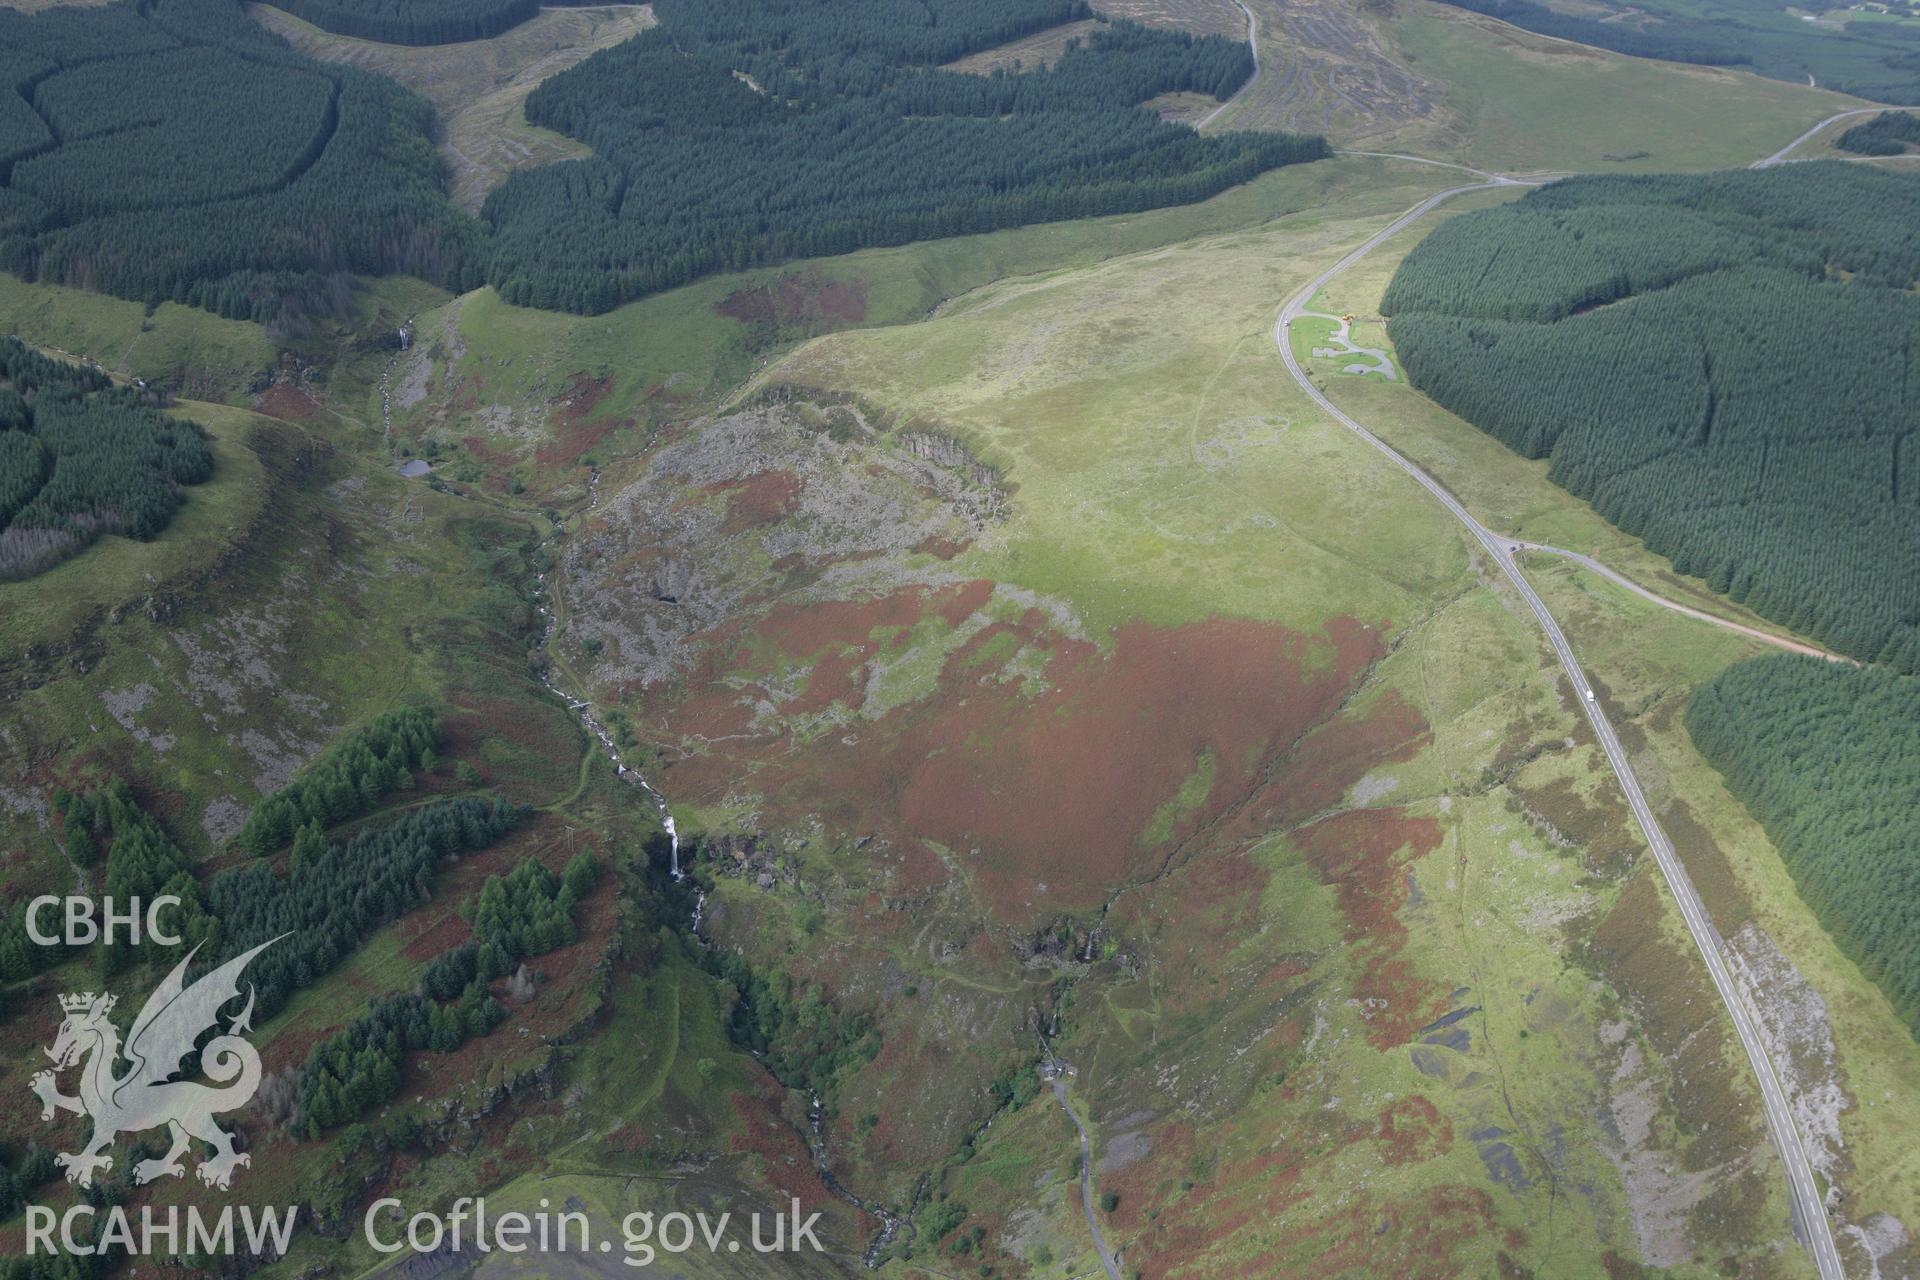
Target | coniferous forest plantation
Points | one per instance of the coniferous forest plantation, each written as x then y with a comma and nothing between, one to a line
414,22
744,132
80,457
1887,134
177,151
732,135
1725,365
1827,758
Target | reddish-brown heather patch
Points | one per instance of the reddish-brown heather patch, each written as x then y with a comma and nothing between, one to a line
466,397
1057,790
1240,1194
443,933
1621,1268
1419,1240
941,548
1154,1178
582,396
837,677
872,920
485,453
632,1139
572,436
1053,790
904,1134
759,499
804,630
293,1046
1201,915
286,400
834,637
1411,1130
806,298
477,719
916,868
957,604
1363,854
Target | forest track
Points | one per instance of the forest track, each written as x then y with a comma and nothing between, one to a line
1253,43
1622,581
1811,1224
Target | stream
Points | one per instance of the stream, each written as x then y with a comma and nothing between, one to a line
581,708
890,1222
386,380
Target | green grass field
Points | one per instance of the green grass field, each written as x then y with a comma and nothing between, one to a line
195,350
1157,448
1519,103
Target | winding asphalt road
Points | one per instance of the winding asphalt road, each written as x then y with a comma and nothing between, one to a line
1780,156
1086,1181
1253,42
1809,1214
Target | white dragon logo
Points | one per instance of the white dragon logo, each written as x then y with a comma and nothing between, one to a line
145,1097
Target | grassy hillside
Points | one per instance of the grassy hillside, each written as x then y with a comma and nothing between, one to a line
1878,61
1436,80
1294,932
184,347
557,392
